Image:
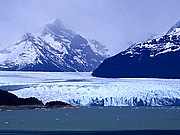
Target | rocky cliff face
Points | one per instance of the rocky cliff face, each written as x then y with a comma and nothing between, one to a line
154,58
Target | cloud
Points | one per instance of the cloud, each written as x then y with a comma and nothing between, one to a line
115,23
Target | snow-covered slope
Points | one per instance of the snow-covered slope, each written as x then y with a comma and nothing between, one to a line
156,58
175,29
170,42
57,49
84,90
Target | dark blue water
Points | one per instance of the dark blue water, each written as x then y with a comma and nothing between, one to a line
100,120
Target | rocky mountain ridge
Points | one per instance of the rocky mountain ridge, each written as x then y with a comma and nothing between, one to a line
57,49
155,58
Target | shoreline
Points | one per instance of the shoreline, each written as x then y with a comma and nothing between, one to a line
29,107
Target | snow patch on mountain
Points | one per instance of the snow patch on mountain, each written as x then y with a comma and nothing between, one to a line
159,44
98,48
175,29
14,55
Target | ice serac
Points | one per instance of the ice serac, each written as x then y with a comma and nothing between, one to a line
57,49
154,58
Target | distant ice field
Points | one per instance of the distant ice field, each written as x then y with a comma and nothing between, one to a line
81,89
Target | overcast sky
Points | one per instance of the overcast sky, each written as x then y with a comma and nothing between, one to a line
115,23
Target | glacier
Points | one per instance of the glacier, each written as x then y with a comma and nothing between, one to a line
81,89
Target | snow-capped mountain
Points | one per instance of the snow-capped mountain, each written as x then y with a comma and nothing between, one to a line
158,57
57,49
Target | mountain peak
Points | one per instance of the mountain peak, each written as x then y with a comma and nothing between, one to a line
58,23
55,27
174,28
27,36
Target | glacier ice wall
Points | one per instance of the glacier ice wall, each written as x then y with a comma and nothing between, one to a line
124,92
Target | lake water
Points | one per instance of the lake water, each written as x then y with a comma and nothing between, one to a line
92,119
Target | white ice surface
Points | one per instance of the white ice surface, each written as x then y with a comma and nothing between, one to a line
83,89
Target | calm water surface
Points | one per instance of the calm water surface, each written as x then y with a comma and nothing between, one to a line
92,119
